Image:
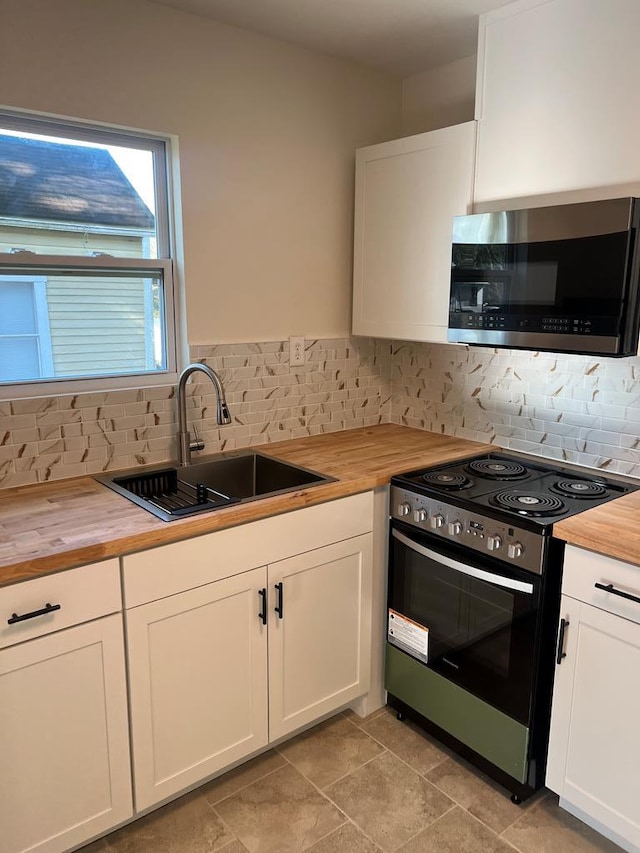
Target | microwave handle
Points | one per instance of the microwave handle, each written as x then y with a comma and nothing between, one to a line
497,580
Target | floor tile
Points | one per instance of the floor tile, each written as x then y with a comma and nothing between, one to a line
546,828
242,776
330,751
280,813
389,801
99,846
188,825
361,721
404,739
456,832
479,795
347,839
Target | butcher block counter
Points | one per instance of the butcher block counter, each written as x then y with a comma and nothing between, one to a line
66,523
612,529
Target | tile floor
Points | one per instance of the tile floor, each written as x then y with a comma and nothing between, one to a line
353,785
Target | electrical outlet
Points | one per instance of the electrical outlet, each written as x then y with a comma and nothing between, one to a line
296,351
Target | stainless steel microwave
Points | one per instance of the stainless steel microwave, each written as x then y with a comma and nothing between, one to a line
558,279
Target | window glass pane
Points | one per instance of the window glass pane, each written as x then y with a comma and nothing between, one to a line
101,323
85,252
19,359
62,196
17,309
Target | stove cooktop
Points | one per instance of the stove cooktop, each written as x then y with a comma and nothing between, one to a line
517,487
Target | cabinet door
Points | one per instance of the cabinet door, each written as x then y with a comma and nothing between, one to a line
407,193
555,114
594,749
319,642
198,684
64,738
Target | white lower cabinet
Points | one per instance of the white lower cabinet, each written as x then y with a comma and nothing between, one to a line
198,684
64,742
219,670
594,748
319,639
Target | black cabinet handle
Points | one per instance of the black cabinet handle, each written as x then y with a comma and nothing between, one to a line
609,587
279,605
564,624
263,607
48,608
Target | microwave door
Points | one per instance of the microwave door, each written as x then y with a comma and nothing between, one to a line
550,286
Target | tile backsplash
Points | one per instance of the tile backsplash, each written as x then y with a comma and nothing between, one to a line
344,383
579,409
574,408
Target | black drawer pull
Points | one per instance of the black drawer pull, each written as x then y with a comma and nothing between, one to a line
564,624
279,606
48,608
609,587
263,605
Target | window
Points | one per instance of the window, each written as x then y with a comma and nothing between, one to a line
86,284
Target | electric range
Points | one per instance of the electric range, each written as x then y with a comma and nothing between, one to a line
473,604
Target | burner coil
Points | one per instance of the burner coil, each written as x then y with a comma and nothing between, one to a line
497,469
528,503
579,488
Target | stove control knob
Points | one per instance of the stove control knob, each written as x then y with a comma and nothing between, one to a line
455,528
404,509
437,521
420,515
494,542
515,550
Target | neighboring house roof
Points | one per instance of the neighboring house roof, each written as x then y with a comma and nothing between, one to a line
57,182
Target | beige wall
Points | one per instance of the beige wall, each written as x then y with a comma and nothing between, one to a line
267,133
439,98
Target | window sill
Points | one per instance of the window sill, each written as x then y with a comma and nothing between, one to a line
63,387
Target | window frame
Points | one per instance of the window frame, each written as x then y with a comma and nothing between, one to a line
164,152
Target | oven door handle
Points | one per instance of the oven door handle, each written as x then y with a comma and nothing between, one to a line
498,580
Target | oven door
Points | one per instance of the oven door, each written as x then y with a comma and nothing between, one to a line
471,619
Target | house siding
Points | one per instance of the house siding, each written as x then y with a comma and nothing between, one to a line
94,324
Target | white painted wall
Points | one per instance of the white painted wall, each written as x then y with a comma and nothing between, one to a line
267,137
439,98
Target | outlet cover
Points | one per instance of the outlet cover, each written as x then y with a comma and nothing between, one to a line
296,350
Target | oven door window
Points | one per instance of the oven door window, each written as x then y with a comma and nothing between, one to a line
481,619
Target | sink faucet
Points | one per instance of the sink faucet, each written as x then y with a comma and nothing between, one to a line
222,410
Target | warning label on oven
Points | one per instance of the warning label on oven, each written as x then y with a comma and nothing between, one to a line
408,635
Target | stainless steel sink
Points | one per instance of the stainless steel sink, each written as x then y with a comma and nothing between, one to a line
249,476
176,492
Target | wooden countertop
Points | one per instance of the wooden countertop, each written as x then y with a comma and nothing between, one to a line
62,524
612,529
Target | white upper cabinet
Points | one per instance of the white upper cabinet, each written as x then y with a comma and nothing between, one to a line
407,193
558,99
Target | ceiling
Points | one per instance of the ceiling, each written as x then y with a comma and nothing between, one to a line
401,37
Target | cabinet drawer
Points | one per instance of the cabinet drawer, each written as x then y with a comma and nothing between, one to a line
58,601
584,569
